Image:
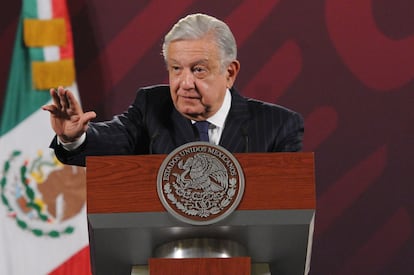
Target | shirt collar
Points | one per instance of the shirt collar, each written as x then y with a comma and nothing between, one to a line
219,118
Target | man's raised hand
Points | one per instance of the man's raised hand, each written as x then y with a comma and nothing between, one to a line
66,115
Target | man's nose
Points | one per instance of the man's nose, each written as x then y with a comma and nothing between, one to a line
187,79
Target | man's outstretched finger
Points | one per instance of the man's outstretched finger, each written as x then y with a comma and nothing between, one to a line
63,98
72,102
88,116
50,108
55,97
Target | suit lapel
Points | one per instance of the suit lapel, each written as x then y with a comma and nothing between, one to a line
235,130
234,133
183,130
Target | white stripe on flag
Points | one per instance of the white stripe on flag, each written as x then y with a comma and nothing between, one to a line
44,9
51,53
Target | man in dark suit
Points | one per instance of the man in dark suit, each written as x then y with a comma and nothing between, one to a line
200,53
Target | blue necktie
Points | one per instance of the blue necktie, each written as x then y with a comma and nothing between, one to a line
202,127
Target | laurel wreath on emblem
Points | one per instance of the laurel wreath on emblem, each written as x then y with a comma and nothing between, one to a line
198,194
32,201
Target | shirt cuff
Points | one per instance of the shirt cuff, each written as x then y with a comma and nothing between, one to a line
70,146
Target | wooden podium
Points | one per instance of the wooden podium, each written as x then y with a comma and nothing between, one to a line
274,220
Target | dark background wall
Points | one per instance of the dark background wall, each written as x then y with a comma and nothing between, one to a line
346,65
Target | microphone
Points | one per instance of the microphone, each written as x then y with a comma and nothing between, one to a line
245,135
151,143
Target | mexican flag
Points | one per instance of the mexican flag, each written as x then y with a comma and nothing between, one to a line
43,228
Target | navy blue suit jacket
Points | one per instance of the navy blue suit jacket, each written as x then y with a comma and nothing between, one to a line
152,125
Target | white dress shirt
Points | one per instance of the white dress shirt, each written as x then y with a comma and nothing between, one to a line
218,120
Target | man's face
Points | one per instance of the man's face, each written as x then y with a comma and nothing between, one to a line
197,81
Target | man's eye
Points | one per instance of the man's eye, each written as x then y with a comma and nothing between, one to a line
175,69
199,70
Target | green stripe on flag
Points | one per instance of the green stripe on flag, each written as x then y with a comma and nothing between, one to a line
21,99
29,9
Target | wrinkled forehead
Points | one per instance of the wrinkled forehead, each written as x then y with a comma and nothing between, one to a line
196,49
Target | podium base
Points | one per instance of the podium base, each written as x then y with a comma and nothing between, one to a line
201,256
256,269
200,248
200,266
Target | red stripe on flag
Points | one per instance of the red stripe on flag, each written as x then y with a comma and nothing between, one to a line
60,10
78,264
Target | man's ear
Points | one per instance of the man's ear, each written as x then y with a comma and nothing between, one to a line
232,70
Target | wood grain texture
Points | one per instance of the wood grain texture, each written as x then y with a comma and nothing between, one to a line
122,184
200,266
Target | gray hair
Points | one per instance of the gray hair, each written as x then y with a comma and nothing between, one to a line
197,26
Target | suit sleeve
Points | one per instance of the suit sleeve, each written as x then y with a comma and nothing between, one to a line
118,136
290,135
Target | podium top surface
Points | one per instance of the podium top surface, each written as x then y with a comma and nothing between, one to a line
125,184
